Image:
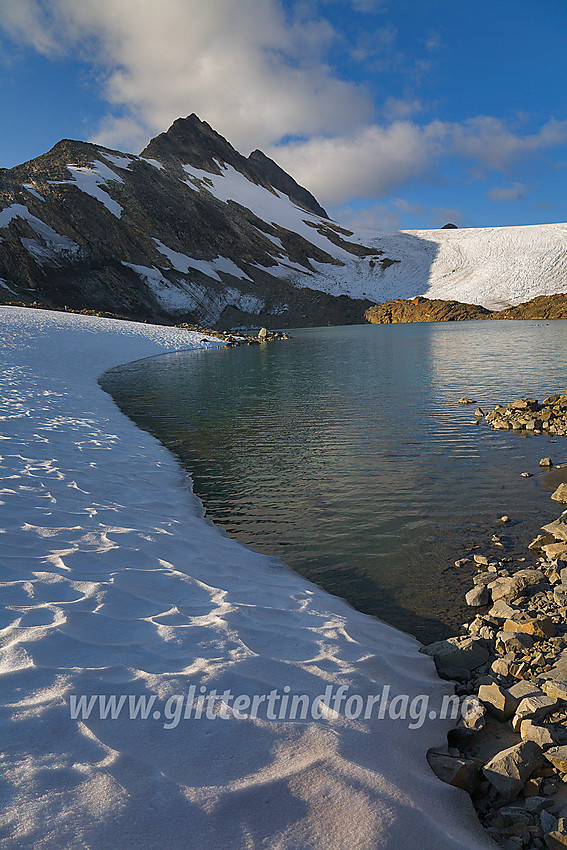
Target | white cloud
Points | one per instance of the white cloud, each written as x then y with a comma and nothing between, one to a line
258,76
366,164
374,217
379,159
395,108
239,64
407,207
491,143
507,193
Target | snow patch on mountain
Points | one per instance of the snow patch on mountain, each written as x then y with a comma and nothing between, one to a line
491,266
52,245
273,207
33,192
182,263
119,161
184,297
92,180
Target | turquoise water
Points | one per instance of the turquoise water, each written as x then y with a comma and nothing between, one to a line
345,453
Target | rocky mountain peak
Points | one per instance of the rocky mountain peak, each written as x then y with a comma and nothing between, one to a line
190,141
193,142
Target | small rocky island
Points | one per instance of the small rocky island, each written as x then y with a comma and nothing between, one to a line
420,309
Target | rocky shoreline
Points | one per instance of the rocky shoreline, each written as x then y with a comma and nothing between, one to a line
509,748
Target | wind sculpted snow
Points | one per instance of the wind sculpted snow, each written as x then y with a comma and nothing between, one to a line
112,583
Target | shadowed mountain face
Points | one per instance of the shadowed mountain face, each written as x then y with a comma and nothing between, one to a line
189,230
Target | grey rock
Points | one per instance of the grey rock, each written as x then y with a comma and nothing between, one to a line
509,769
560,495
498,701
457,657
557,528
558,758
530,731
460,772
477,597
533,707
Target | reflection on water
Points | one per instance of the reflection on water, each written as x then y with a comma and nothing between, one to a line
344,451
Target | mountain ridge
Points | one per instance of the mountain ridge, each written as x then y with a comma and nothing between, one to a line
191,230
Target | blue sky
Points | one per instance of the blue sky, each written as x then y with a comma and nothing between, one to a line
395,113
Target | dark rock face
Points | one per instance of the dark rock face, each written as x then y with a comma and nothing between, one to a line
449,226
152,237
280,179
192,141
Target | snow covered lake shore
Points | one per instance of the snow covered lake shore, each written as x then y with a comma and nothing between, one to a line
115,588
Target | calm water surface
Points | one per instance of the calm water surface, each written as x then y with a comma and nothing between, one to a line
345,453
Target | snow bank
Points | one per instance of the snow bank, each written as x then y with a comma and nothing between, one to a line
492,266
113,584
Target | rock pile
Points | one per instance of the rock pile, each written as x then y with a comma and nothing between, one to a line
236,338
511,666
526,414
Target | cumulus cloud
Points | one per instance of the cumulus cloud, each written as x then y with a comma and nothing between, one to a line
507,193
241,65
261,77
374,217
408,207
366,164
378,159
489,141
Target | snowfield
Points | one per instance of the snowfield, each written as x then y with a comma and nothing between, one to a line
493,266
113,583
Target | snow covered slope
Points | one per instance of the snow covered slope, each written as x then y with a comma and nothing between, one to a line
492,266
112,584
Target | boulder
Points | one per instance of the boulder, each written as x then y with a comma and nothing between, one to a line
509,769
457,657
560,495
540,541
558,758
557,528
460,772
529,731
522,689
477,597
509,587
473,715
540,628
555,550
502,611
507,641
533,707
560,595
263,334
546,461
498,701
480,560
556,688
